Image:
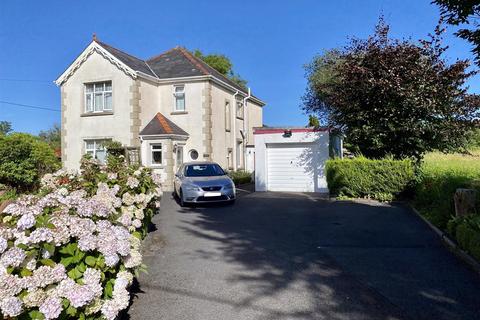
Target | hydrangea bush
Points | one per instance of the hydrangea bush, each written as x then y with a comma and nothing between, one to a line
71,251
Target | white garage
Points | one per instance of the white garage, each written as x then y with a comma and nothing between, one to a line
291,160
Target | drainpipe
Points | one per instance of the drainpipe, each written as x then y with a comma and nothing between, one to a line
233,113
245,129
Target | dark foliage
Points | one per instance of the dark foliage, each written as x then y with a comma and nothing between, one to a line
463,12
393,97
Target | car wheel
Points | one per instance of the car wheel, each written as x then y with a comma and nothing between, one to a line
180,198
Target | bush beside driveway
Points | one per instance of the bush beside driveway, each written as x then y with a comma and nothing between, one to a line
280,256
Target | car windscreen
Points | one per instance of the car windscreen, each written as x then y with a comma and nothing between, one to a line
203,170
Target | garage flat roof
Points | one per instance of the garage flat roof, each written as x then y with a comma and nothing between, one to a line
269,130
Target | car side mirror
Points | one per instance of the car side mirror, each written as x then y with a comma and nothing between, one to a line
177,175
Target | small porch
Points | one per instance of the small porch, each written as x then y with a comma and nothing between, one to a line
162,148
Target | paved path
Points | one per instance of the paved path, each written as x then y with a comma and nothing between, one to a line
280,256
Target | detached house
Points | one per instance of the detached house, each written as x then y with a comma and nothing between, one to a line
168,109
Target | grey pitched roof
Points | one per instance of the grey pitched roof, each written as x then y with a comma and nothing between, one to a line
179,62
161,125
174,63
131,61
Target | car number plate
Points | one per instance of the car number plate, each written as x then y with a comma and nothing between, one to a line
212,194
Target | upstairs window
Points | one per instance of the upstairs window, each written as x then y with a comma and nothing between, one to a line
179,94
240,109
98,96
228,116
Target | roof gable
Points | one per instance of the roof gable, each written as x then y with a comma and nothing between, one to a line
160,125
93,47
131,61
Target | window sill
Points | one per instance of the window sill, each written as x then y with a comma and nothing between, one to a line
239,118
178,112
157,166
94,114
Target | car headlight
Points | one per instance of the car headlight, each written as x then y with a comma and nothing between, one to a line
229,186
192,188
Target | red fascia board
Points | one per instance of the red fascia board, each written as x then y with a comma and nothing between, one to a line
276,130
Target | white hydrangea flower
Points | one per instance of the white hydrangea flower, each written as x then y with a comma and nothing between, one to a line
11,306
51,307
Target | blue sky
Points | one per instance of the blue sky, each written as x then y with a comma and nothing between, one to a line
268,42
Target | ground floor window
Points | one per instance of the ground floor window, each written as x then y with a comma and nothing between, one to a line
239,154
179,156
97,149
156,153
230,159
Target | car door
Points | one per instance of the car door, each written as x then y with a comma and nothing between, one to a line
177,181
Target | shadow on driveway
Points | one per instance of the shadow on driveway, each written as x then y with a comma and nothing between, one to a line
284,256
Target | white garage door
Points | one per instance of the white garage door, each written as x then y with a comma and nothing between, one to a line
296,167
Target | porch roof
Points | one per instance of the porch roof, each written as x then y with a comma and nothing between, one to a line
160,125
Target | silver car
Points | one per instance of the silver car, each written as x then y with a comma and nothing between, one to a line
201,182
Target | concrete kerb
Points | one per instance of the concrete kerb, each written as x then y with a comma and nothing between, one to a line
450,244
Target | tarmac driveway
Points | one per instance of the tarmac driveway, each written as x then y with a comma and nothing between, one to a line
283,256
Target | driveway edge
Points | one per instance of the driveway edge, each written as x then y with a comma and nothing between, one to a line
450,244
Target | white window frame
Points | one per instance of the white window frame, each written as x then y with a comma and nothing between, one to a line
152,149
93,93
228,115
239,109
176,96
178,152
239,153
95,149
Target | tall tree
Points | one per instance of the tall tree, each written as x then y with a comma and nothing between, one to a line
52,136
463,12
393,97
222,64
5,127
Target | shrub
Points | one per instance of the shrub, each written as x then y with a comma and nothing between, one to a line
71,251
240,177
382,179
467,234
24,159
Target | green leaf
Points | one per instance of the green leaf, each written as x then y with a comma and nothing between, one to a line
25,272
108,290
66,261
71,311
71,274
35,314
77,272
50,248
90,260
48,262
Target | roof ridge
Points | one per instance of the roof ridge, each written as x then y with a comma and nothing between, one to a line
161,54
163,122
128,54
194,60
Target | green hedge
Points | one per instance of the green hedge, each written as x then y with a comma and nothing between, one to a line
466,231
24,159
441,175
240,177
382,179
